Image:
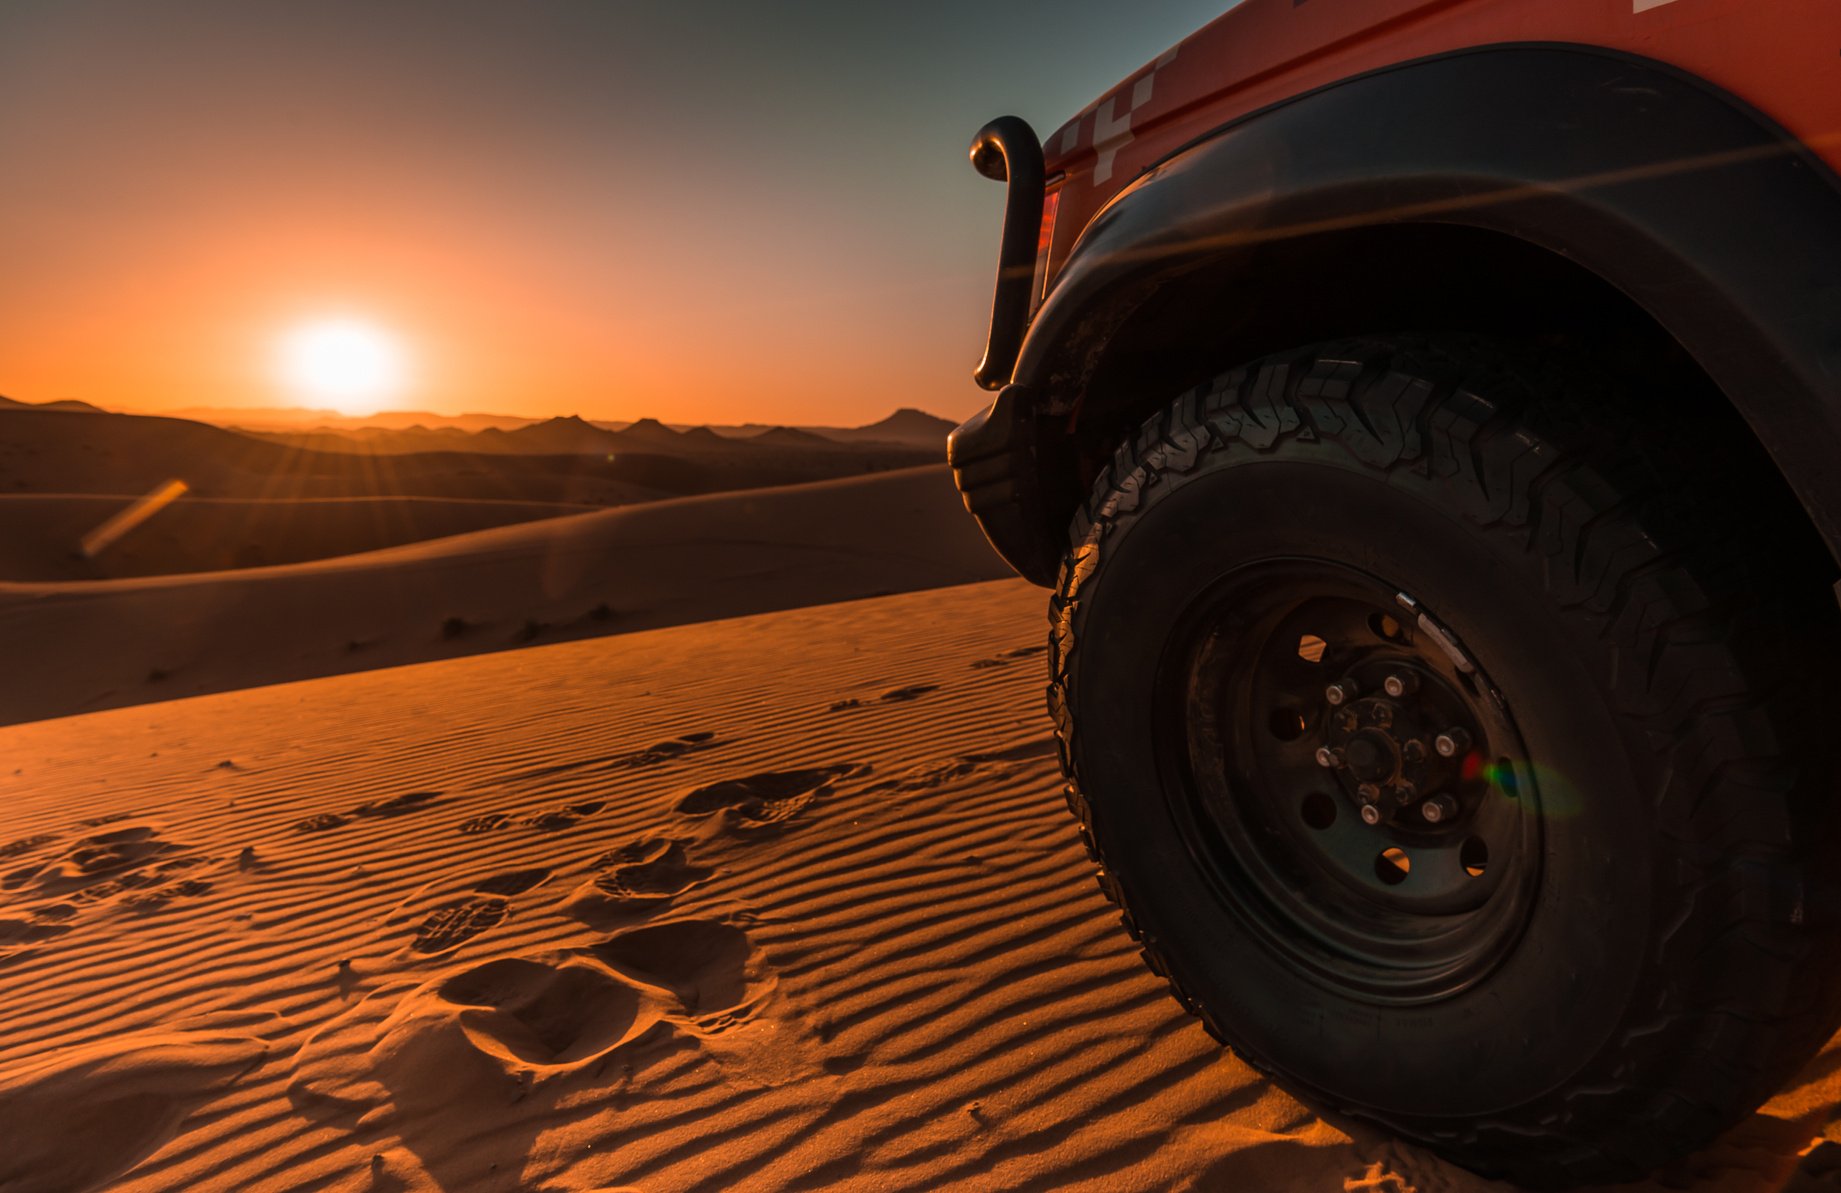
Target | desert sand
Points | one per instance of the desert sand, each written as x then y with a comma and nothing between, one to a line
782,901
41,534
83,645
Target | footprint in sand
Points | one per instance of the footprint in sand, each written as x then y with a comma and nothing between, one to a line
550,820
396,805
135,862
927,777
320,822
653,755
469,1042
708,966
139,879
108,818
541,1013
765,800
25,845
456,921
95,857
647,870
567,816
133,868
636,879
484,824
159,898
1005,658
892,696
664,751
453,924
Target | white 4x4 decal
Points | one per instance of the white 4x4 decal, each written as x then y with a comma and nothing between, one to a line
1111,127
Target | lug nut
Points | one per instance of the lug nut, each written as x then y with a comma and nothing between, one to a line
1342,691
1347,721
1413,750
1368,793
1452,743
1370,814
1401,683
1405,792
1438,809
1329,758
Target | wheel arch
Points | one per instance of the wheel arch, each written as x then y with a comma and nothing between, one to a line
1554,193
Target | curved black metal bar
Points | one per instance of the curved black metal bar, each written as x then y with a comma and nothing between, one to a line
1006,150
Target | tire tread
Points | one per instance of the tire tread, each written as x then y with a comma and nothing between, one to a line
1739,801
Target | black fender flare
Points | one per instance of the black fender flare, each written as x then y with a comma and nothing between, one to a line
1701,210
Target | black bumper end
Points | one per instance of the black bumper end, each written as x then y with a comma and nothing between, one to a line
995,462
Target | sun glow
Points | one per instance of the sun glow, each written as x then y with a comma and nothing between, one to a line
348,364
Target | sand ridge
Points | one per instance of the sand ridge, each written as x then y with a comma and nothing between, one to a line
786,901
85,645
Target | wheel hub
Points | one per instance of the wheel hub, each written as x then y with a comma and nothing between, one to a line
1383,747
1362,794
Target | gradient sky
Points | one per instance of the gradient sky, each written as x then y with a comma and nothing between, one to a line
700,210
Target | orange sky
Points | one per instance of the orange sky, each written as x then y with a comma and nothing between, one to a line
613,210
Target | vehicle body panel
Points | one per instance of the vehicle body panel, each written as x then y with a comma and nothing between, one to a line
1681,190
1780,58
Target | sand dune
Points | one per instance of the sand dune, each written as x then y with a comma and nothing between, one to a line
780,902
40,533
72,647
249,499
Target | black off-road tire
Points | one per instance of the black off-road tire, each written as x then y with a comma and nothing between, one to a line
1665,963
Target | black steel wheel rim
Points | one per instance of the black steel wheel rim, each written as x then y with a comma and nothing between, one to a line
1349,780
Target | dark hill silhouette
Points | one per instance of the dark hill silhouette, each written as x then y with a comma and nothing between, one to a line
906,426
60,452
649,434
792,437
704,439
562,436
69,405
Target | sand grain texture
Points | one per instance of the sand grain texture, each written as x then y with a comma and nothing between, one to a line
787,901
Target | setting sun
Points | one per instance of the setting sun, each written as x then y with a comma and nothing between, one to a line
347,363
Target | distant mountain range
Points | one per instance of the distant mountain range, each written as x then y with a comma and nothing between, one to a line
74,448
398,432
236,498
572,435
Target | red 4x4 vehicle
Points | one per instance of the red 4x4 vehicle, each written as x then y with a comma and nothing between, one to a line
1428,415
